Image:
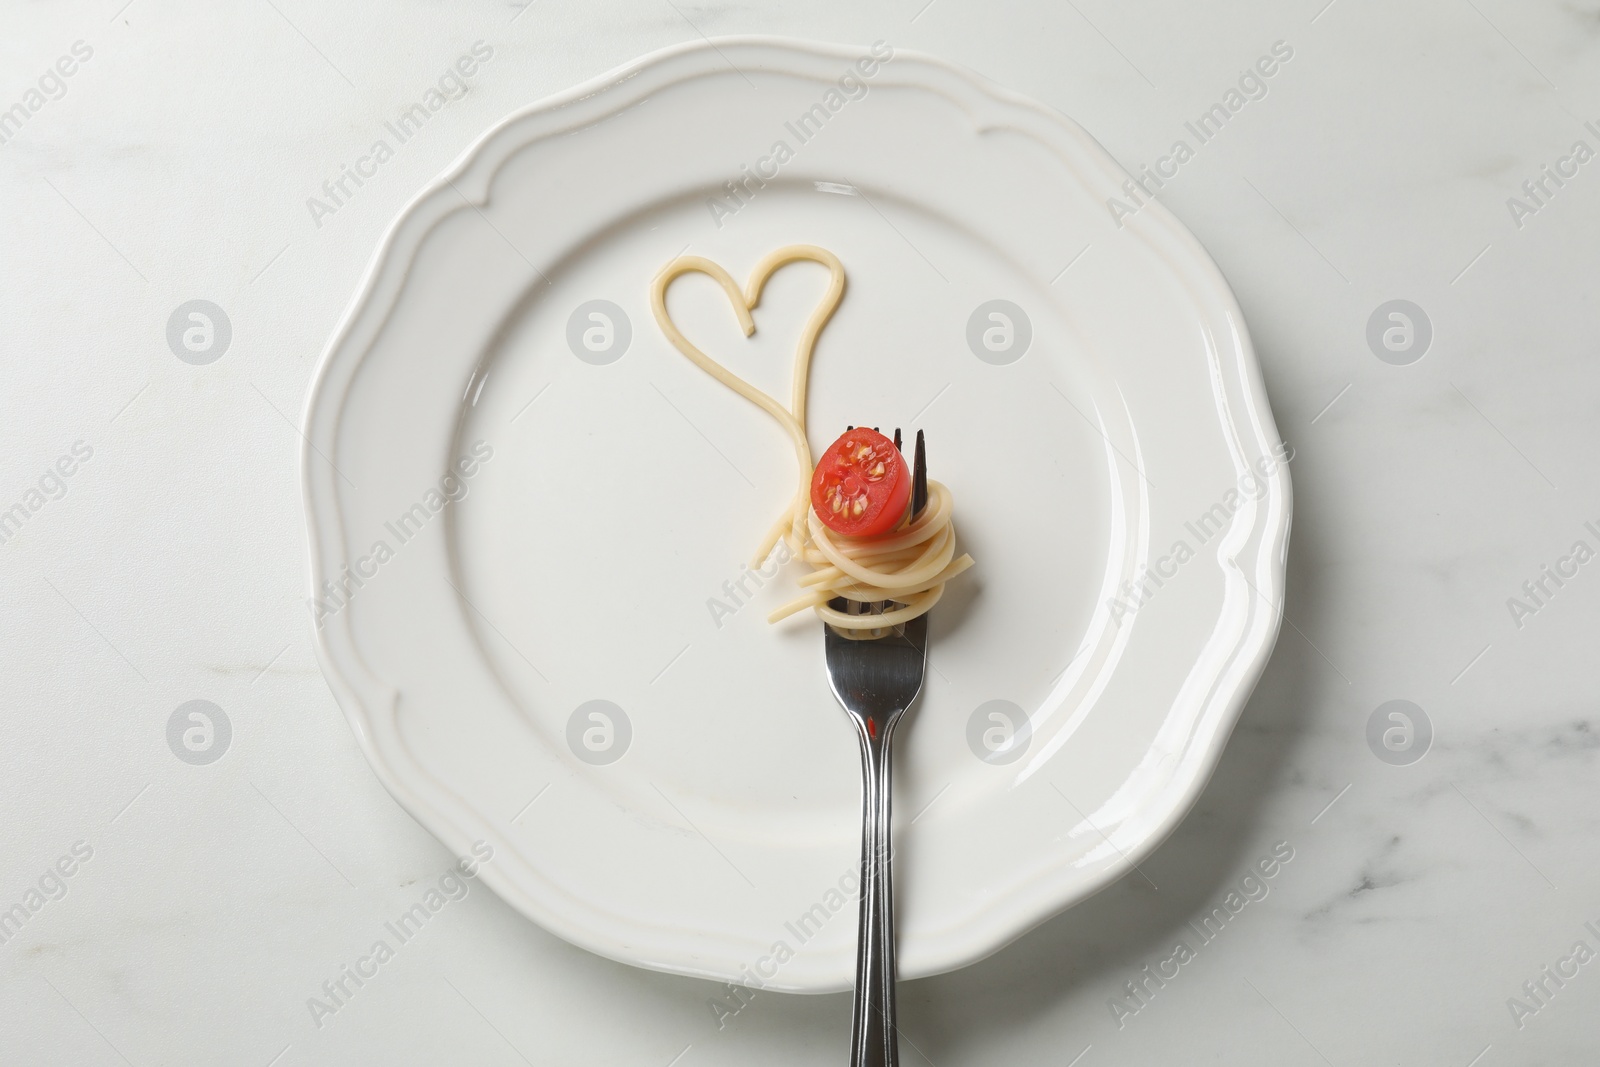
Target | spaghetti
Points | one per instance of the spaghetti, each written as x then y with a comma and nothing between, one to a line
908,566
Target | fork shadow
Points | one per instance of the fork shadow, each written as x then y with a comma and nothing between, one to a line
1089,951
1086,953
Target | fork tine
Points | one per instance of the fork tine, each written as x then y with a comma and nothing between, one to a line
897,447
919,478
840,603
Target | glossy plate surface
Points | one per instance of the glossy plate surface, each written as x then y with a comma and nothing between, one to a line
545,508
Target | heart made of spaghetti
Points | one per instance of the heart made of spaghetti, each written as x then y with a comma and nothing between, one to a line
793,417
743,304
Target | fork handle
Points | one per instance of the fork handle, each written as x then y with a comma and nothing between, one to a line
873,1036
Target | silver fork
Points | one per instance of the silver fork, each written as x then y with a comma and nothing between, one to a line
876,681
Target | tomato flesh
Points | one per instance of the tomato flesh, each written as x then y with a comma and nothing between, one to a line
861,485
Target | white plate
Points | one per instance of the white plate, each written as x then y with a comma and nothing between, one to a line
620,497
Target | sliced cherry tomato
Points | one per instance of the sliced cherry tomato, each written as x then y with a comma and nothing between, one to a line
861,485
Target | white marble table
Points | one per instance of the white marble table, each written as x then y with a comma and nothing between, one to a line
1384,159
